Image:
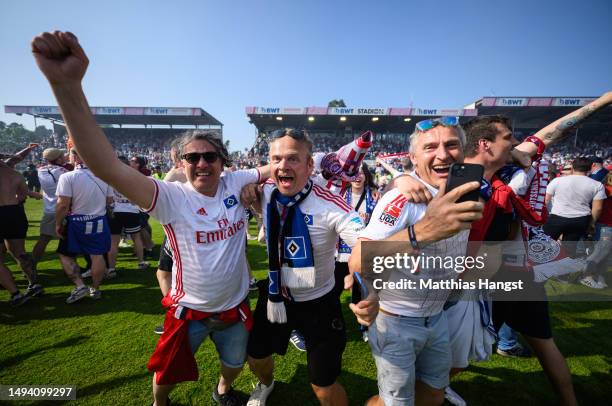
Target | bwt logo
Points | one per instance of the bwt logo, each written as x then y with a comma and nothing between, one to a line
342,110
270,110
428,112
159,110
569,102
43,109
512,102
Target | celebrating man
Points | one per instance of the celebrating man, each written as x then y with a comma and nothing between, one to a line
203,219
303,221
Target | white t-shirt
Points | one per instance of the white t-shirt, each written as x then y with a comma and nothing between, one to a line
122,204
330,217
207,236
48,176
88,193
573,195
392,214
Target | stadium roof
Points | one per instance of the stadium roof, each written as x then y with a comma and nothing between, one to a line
526,112
536,112
128,115
393,119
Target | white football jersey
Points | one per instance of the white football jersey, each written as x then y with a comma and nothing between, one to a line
207,236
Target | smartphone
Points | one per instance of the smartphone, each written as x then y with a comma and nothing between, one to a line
360,290
460,174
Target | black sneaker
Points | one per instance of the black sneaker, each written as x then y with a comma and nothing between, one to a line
518,351
35,289
18,299
298,340
159,330
230,398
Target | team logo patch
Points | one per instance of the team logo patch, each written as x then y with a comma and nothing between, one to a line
295,248
308,219
202,212
542,248
390,214
230,201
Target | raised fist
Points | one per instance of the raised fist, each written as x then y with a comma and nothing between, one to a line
60,57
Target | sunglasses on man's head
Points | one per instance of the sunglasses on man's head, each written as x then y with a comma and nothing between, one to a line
194,157
446,121
293,133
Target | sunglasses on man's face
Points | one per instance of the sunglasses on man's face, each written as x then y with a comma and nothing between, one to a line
194,157
446,121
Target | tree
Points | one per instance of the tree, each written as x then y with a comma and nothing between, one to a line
336,103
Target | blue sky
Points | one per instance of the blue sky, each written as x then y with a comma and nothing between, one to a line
225,55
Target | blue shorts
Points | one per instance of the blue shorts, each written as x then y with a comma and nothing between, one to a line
88,235
231,342
407,349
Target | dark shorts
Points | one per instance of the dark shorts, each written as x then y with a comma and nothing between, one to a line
128,222
144,220
528,317
165,257
13,222
321,323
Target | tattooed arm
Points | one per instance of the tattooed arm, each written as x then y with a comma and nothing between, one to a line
558,129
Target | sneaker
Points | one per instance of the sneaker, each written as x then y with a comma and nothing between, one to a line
230,398
143,265
124,243
77,294
86,274
95,293
518,351
590,282
34,290
111,273
159,330
253,284
18,299
453,397
364,336
260,394
602,281
298,341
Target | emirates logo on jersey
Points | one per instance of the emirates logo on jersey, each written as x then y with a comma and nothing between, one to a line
202,212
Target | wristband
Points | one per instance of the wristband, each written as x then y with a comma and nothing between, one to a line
411,235
538,143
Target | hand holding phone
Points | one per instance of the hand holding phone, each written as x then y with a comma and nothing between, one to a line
460,174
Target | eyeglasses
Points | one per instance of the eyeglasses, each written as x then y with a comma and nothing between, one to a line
194,157
446,121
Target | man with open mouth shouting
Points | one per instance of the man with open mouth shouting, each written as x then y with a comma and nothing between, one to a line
303,221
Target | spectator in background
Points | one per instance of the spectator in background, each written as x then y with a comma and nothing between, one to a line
577,201
125,219
140,164
31,177
157,172
13,230
48,176
81,224
597,261
598,172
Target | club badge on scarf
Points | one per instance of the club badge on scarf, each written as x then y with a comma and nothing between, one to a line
290,258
